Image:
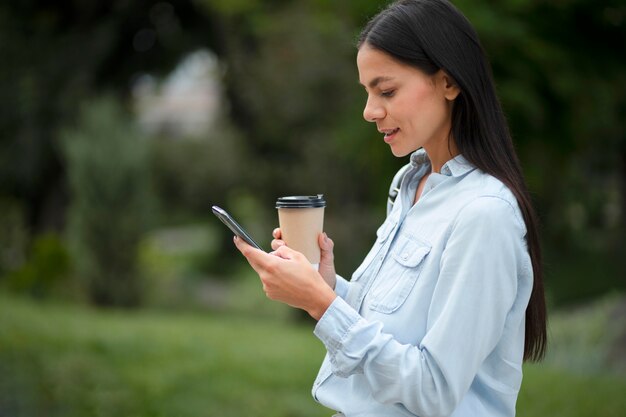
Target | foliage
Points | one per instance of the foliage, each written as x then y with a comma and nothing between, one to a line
13,236
173,261
112,201
194,173
591,338
47,268
292,119
73,361
58,54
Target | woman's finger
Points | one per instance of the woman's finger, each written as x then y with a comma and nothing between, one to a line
277,243
276,233
254,256
326,243
286,252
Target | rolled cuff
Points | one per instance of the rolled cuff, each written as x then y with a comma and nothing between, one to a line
333,327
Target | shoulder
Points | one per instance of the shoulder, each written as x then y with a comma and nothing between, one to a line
488,200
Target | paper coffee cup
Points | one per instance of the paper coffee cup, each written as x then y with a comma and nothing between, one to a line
301,220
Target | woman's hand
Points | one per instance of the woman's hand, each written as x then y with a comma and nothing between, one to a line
288,277
327,260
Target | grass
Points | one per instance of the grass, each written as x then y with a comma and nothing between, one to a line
70,361
74,361
559,393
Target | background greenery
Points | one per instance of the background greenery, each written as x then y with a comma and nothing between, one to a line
68,361
98,210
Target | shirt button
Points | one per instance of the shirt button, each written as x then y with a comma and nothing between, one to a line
405,256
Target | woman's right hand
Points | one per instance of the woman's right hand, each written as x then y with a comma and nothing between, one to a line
327,260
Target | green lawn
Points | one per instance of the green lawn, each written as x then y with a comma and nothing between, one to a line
558,393
74,361
69,361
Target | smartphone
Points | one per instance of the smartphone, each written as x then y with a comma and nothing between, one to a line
234,226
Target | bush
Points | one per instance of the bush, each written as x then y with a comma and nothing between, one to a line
47,266
111,201
13,236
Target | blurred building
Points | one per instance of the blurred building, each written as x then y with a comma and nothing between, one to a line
186,103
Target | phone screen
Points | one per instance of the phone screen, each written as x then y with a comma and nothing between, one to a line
234,226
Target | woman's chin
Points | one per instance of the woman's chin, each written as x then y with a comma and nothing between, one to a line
399,152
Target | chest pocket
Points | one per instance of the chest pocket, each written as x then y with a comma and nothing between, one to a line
398,275
382,234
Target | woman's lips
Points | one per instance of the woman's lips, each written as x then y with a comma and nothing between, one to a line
390,134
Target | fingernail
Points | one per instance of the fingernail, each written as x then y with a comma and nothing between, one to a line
325,237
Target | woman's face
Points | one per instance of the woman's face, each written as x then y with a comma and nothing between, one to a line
410,108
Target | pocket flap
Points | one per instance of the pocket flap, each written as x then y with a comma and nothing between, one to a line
411,253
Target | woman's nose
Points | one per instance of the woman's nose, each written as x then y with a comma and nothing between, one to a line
373,111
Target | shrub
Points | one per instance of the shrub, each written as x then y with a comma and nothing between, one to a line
13,236
111,201
47,266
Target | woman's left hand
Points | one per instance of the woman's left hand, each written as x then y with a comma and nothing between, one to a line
288,277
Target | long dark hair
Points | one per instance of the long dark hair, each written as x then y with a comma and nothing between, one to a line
433,35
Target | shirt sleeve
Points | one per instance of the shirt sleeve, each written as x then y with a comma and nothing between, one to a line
475,290
341,286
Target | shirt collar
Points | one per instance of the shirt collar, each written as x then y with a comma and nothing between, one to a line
455,167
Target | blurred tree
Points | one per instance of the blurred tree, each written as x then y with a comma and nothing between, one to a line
112,201
292,91
56,54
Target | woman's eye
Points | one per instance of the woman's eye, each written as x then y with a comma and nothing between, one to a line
387,93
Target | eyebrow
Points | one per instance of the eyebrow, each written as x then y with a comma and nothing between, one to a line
378,80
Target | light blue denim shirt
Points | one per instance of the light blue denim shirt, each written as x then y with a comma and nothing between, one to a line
432,322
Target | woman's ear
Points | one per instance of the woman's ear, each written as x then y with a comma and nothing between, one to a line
450,88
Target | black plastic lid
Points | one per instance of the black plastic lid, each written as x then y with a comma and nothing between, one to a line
301,201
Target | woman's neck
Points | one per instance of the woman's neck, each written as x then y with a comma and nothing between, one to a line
439,155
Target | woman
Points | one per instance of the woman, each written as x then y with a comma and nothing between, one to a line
449,302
